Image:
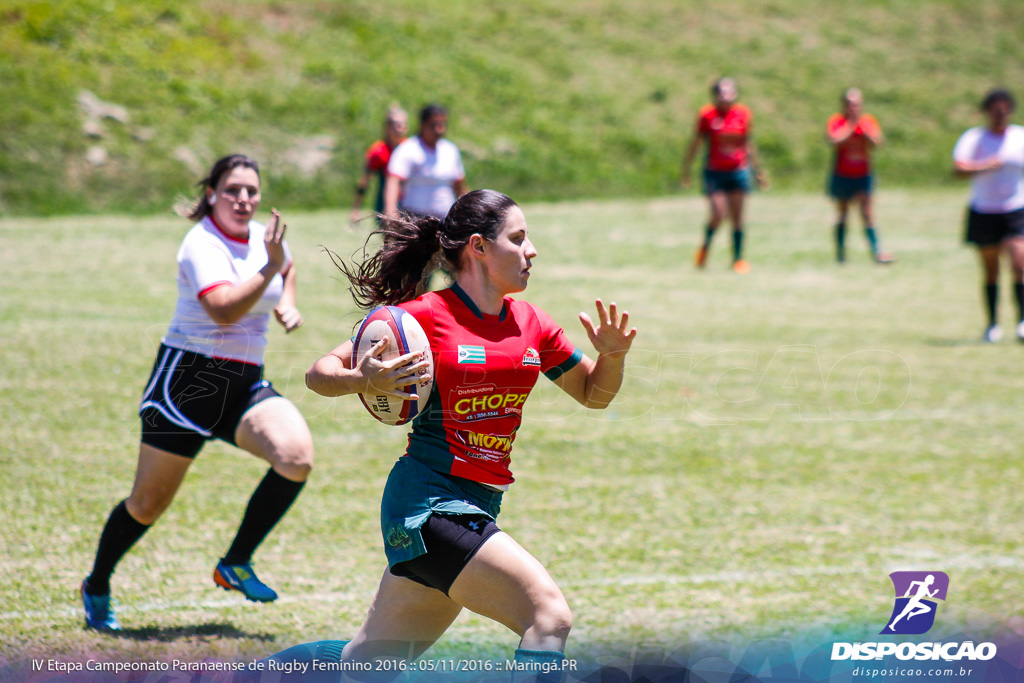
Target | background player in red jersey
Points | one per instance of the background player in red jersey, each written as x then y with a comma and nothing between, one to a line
375,161
441,500
725,127
854,135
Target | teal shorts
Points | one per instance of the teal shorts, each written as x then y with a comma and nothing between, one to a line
727,181
413,493
844,189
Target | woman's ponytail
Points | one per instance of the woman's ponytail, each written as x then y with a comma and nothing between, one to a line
393,274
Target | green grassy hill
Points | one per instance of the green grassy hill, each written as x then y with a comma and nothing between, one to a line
109,105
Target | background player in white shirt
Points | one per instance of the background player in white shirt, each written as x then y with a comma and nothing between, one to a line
208,383
992,157
425,174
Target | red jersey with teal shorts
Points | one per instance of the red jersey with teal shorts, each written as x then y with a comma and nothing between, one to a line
484,369
726,135
853,157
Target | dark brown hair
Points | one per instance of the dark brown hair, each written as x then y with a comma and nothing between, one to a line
430,111
998,95
201,209
413,246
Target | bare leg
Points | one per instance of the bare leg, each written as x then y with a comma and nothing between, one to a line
157,478
405,618
275,431
506,583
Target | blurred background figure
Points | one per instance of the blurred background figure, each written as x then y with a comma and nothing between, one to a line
854,135
992,156
425,175
730,155
375,161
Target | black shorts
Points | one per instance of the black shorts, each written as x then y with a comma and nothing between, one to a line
191,398
451,542
989,229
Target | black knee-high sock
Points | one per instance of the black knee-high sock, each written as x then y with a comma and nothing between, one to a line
737,244
1018,294
267,506
709,233
992,302
840,242
119,534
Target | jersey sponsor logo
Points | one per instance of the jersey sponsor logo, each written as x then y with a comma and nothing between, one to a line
531,357
488,448
473,355
491,405
489,442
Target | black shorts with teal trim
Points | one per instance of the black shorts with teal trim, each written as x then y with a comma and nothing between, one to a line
727,181
191,398
844,189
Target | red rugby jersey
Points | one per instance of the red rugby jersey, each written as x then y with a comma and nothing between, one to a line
378,156
853,157
726,136
484,369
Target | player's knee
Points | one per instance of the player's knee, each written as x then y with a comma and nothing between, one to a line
294,464
292,456
553,617
146,506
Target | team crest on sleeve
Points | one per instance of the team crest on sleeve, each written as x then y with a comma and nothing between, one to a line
473,355
531,357
916,595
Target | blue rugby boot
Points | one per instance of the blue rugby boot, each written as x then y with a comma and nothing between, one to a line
99,612
241,577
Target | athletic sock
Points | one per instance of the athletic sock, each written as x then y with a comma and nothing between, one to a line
737,244
538,666
119,534
1018,294
840,242
709,233
992,302
872,236
297,664
266,507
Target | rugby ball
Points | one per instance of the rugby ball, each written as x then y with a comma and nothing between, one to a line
404,336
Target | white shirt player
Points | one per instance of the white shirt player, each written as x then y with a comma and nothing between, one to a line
427,175
1000,190
207,259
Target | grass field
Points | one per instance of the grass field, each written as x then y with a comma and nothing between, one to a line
549,99
784,439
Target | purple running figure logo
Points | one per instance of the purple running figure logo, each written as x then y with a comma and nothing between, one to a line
914,610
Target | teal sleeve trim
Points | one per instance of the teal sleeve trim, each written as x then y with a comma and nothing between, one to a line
559,370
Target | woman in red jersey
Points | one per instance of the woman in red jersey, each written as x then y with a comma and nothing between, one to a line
725,127
376,159
854,135
441,500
